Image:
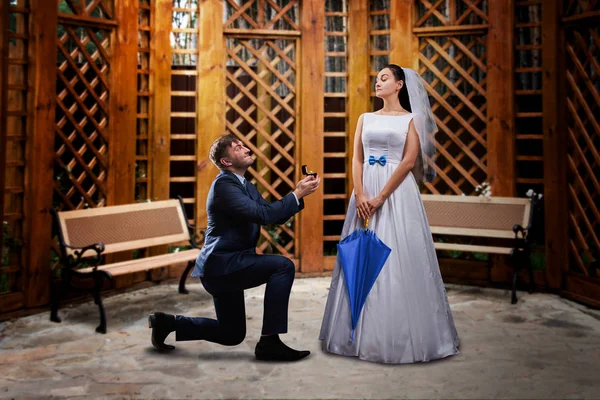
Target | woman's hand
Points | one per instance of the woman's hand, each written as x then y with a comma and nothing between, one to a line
375,203
362,206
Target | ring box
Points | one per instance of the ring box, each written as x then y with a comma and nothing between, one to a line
306,172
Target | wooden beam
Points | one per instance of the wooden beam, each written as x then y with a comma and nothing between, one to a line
123,105
312,68
160,86
3,109
40,151
555,144
500,99
404,49
210,100
359,79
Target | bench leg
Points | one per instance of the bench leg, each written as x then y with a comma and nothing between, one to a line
514,286
98,300
530,267
184,276
57,292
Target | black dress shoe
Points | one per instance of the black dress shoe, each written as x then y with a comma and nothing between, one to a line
162,324
271,348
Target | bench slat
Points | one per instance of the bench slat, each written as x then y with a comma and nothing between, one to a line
488,233
473,248
147,263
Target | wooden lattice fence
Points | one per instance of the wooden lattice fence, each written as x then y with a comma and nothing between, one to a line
127,103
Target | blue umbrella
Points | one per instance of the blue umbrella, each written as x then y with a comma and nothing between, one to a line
362,255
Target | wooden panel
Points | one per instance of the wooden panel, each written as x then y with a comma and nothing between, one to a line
121,180
529,96
582,289
450,13
16,134
83,115
359,88
3,111
311,144
380,45
40,150
337,175
145,101
453,63
11,302
554,141
582,66
210,103
264,16
270,64
404,44
160,58
184,161
501,142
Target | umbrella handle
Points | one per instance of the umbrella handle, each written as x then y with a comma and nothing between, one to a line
366,222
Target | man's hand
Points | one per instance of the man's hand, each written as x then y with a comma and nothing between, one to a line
307,186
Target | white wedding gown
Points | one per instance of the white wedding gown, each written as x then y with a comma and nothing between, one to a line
406,317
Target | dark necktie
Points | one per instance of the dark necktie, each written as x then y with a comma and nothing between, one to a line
247,185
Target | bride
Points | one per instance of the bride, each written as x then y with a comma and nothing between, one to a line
406,317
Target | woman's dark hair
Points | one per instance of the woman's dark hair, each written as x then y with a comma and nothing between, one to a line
403,93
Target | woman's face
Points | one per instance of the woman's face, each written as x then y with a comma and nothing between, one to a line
386,84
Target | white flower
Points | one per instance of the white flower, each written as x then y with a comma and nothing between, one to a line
540,196
529,193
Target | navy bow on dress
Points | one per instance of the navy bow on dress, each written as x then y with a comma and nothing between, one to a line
381,160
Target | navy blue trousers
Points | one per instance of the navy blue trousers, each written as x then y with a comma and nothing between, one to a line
229,328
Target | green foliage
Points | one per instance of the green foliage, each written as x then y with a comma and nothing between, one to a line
3,283
10,244
177,249
273,231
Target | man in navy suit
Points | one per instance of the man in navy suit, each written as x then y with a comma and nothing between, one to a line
228,263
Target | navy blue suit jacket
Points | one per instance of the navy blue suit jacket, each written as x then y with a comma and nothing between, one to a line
235,213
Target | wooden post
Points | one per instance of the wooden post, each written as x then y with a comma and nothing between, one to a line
359,89
40,151
311,134
123,105
3,108
500,113
210,100
160,65
500,99
404,49
555,144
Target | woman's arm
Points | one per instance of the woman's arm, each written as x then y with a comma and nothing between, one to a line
411,153
362,208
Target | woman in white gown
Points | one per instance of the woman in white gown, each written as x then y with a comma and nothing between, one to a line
406,317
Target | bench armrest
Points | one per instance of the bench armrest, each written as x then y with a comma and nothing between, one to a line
79,253
196,234
518,229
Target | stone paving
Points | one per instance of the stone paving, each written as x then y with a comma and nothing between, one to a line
544,347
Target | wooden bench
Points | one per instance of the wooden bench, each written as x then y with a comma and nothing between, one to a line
506,220
85,236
